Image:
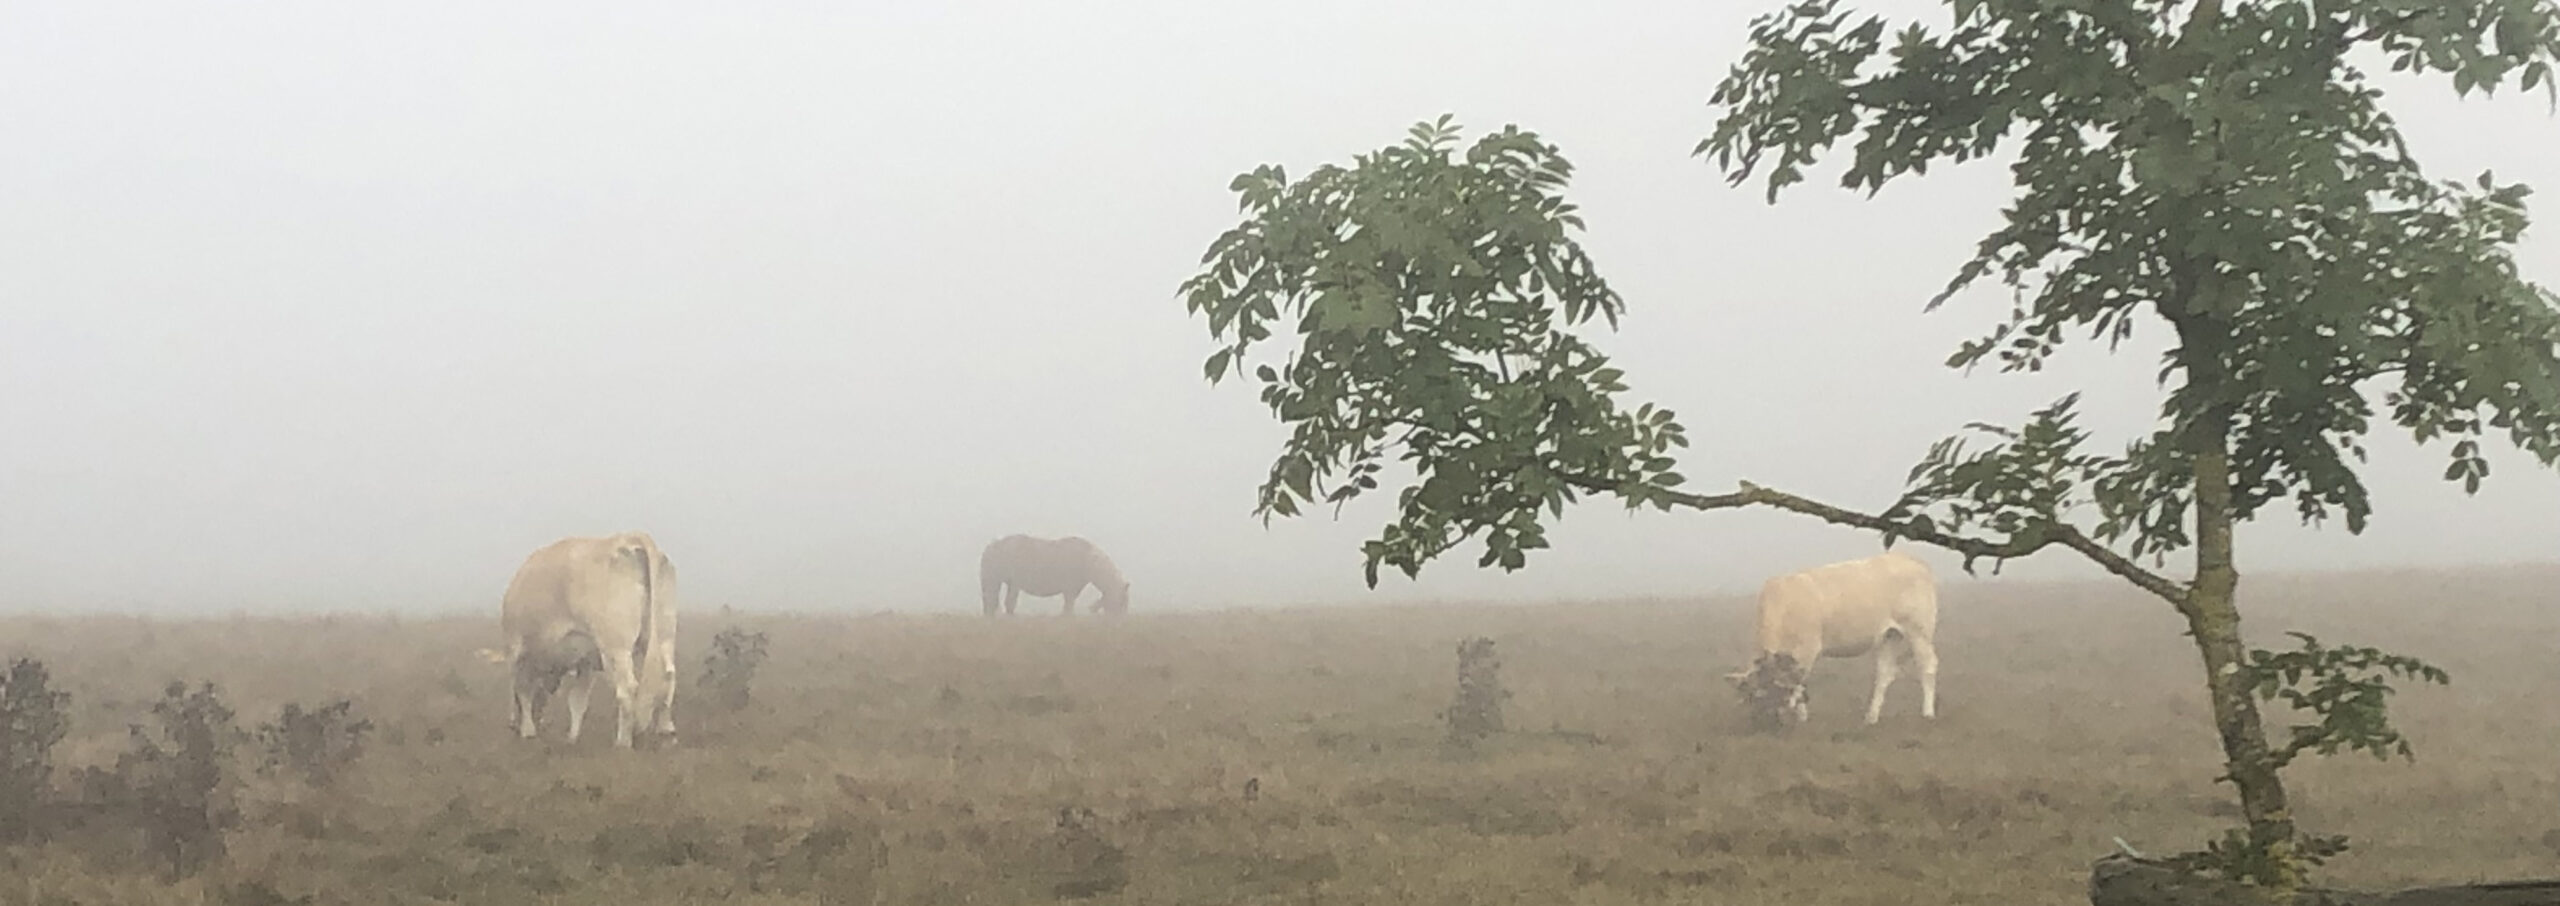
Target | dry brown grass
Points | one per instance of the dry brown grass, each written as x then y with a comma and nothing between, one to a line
909,759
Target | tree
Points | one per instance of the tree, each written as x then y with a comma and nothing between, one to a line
33,719
2224,168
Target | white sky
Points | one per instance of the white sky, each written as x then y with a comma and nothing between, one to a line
323,305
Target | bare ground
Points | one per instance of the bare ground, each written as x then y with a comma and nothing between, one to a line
914,759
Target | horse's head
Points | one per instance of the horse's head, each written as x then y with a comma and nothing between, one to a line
1115,597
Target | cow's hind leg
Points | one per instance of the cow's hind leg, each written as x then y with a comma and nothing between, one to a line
1924,655
582,687
663,708
626,694
1888,666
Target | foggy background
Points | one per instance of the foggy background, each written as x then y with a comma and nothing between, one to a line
335,306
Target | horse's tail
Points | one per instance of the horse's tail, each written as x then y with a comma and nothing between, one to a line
990,577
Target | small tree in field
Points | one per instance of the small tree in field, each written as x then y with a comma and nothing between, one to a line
2222,168
33,718
1476,713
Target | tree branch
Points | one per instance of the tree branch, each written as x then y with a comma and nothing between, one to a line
2167,589
1972,549
2379,29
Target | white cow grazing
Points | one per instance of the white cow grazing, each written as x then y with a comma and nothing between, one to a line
1886,604
587,609
1049,567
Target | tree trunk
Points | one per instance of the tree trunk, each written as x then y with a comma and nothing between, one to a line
2213,618
2211,605
2120,881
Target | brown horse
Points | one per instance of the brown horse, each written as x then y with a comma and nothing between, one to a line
1049,567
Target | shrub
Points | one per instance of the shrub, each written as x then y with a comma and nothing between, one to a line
318,744
32,720
729,671
1477,711
173,786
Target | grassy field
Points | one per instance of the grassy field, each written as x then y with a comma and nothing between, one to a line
926,759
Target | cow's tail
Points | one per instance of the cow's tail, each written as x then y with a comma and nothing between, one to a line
649,591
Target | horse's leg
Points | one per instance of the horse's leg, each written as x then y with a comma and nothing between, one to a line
1067,601
1011,592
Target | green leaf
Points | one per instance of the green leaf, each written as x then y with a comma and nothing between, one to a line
1300,478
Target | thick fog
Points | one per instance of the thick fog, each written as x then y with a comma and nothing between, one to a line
349,306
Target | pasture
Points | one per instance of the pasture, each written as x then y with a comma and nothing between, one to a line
928,758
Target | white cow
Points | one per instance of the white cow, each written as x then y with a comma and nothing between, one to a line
585,609
1046,567
1886,604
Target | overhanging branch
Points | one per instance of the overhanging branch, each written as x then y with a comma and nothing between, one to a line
1972,549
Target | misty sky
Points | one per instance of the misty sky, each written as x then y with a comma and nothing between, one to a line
325,305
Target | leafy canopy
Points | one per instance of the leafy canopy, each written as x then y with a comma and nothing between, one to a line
1435,294
2227,165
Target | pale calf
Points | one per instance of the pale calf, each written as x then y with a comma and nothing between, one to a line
1886,605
